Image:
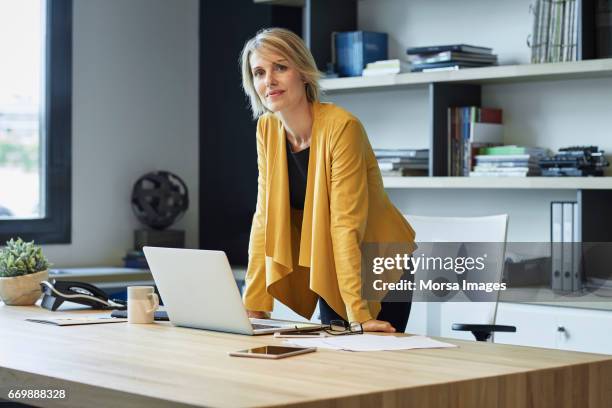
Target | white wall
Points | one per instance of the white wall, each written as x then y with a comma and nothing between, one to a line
550,114
135,110
501,25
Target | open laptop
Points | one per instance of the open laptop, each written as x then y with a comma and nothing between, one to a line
199,291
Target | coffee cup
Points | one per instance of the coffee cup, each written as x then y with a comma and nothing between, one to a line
142,304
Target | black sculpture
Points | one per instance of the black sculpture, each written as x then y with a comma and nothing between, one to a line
159,199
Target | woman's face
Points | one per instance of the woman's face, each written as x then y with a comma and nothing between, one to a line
278,84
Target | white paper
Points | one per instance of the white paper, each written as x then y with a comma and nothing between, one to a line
370,342
78,320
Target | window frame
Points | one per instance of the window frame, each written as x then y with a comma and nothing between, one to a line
56,226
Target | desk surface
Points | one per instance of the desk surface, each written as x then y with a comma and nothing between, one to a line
160,365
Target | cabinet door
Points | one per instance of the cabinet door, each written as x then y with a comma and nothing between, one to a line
585,330
536,326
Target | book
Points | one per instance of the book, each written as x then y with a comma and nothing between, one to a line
411,153
509,163
552,31
481,132
393,63
572,31
452,47
546,9
404,173
399,166
452,64
489,115
448,56
499,174
535,33
449,68
468,132
402,160
380,71
502,157
513,150
492,169
385,67
566,28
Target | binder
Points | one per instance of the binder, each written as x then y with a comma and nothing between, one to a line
556,221
566,249
577,253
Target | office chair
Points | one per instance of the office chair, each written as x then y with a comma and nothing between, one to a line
440,319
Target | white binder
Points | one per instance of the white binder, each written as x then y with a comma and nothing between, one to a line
577,253
567,248
556,237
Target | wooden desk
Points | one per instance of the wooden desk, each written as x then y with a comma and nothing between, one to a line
158,365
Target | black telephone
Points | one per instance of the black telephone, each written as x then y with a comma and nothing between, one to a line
57,292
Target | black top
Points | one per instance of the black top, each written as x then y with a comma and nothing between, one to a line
297,164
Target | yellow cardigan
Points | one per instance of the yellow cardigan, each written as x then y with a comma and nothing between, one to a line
345,205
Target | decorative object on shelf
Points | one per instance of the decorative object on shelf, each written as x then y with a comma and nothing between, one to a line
403,162
450,57
159,199
575,161
22,267
354,49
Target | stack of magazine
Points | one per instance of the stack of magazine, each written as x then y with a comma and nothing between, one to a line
508,161
450,57
556,31
402,162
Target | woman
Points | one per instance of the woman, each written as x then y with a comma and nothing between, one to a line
320,193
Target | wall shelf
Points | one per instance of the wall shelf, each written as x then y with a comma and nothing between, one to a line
598,68
549,183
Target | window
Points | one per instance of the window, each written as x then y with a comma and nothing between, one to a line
35,119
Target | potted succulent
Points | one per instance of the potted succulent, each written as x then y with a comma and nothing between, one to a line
22,267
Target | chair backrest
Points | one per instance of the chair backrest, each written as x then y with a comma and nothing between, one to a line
439,317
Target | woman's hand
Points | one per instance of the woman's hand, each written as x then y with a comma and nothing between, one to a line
374,325
257,315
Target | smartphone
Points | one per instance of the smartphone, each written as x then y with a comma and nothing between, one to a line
273,352
299,334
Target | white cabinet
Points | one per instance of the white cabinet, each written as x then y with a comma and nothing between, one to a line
585,330
564,328
535,325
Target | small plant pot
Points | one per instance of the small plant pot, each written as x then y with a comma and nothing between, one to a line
22,290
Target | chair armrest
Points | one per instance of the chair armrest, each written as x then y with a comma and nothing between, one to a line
482,332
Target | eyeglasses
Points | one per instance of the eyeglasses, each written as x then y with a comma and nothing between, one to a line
340,327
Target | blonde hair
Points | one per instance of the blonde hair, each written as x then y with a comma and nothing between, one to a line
289,46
